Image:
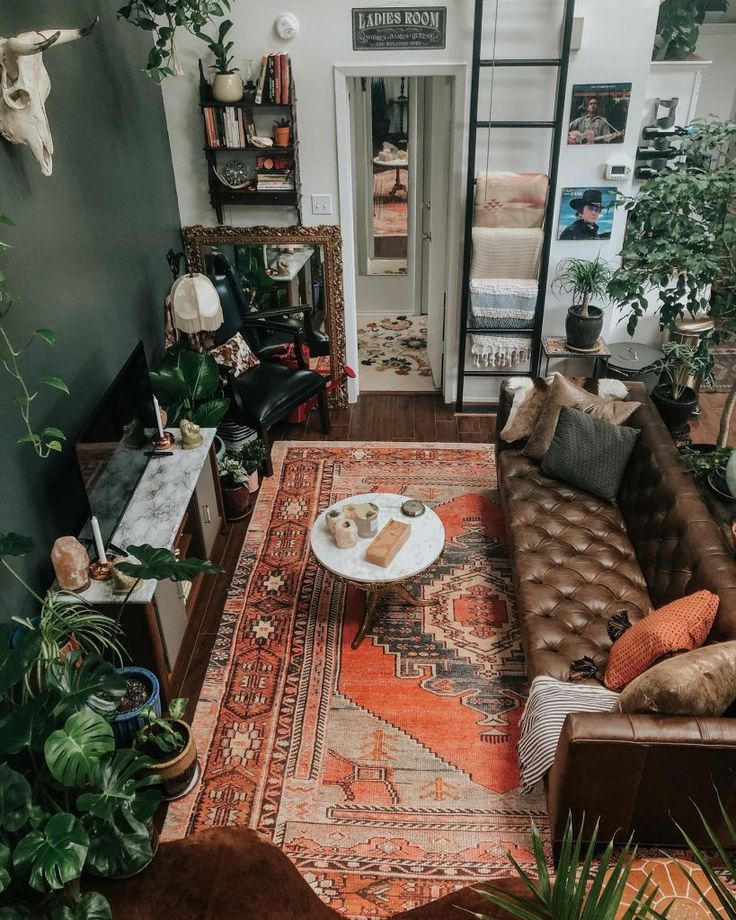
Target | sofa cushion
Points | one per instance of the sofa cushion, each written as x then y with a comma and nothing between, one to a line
589,453
680,626
574,567
565,393
698,683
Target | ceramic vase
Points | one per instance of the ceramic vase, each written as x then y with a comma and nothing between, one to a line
227,87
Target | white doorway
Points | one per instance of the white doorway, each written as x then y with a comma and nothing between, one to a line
402,263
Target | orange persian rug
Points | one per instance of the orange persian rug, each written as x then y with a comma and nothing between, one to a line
389,774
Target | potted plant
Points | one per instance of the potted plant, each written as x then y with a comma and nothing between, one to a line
281,132
234,483
227,85
678,27
169,744
162,19
252,456
583,279
675,400
190,382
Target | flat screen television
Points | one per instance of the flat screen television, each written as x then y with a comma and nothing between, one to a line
114,447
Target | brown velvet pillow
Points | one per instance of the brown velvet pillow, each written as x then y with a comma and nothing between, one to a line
698,683
564,393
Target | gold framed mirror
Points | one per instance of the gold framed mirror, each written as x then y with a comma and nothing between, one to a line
285,267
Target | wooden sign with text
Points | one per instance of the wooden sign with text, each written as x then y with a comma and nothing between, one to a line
410,27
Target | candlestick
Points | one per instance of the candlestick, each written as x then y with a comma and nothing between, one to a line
97,534
157,413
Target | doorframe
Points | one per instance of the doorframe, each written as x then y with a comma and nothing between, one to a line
458,72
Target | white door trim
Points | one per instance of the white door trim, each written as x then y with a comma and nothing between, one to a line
458,182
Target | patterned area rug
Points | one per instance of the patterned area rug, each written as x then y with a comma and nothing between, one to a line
389,774
725,369
390,216
393,354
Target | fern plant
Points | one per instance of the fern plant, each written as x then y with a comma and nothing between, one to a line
584,279
723,884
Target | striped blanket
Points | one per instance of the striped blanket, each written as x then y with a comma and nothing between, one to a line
550,702
503,303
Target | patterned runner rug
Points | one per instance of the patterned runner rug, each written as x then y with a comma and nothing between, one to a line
389,774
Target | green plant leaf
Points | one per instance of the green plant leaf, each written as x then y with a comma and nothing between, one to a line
25,727
119,846
15,544
5,863
54,856
169,380
15,799
209,414
200,373
16,661
72,751
53,433
56,382
120,782
91,906
83,681
161,564
177,707
48,335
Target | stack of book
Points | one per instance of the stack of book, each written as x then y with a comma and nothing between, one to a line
275,174
227,127
273,84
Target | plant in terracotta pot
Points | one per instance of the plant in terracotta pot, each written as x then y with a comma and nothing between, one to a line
227,85
169,744
281,132
234,483
675,400
583,279
252,456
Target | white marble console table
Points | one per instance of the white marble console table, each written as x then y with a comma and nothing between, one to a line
177,504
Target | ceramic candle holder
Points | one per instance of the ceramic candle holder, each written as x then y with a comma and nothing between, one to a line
332,519
346,533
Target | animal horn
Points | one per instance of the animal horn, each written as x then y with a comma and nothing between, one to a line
71,35
21,48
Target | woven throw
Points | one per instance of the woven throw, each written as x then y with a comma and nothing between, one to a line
508,199
550,702
503,303
502,253
500,350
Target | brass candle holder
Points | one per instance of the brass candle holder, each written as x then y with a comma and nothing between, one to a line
164,443
100,570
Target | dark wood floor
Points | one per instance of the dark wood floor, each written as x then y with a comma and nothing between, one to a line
376,417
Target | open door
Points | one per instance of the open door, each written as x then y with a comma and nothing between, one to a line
433,215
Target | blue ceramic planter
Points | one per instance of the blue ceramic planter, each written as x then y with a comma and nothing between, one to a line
127,724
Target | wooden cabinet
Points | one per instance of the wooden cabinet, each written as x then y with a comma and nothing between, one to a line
207,506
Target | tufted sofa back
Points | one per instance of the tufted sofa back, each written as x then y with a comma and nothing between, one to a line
679,546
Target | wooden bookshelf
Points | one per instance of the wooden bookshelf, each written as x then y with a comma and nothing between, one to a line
256,113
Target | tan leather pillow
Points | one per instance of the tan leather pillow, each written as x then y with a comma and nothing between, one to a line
564,393
697,683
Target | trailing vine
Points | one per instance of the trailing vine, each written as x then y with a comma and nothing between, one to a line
47,440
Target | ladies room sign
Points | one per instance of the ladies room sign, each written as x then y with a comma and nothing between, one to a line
418,27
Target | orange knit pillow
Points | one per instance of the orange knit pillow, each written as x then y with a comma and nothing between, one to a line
680,626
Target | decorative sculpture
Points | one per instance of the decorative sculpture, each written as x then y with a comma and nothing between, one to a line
190,436
25,87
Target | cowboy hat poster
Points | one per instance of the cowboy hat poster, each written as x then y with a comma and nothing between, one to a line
586,213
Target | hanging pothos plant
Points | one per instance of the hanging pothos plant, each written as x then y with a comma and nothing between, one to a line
47,440
162,18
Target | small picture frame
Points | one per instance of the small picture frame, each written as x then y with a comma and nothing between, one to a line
586,213
598,113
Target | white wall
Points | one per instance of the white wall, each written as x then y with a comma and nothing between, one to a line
717,43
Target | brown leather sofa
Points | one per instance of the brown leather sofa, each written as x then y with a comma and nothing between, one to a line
576,561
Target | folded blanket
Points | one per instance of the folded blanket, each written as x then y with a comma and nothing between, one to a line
508,199
500,350
503,253
503,303
550,702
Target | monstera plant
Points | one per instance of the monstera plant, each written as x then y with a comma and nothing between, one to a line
189,382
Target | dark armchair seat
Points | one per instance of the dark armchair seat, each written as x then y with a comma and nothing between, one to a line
267,392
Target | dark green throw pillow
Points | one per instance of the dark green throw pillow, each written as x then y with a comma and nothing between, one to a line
589,453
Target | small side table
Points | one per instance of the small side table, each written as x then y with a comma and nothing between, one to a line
555,346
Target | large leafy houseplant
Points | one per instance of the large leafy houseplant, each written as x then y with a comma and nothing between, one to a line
163,19
678,27
190,382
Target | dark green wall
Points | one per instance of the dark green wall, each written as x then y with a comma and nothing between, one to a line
88,252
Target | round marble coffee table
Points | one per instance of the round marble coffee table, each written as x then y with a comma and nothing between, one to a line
421,550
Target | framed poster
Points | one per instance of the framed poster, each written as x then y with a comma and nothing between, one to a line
598,113
409,27
586,213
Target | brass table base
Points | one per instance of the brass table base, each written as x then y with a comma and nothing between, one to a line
374,595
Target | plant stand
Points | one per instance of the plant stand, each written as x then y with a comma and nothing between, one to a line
555,346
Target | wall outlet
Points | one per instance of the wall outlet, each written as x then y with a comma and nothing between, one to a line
321,204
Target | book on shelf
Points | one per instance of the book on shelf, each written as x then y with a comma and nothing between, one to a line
227,126
273,85
261,80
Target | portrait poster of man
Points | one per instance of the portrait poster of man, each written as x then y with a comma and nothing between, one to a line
598,113
586,213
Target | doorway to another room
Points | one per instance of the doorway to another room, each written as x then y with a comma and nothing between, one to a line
401,156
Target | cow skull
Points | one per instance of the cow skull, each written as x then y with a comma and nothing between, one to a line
25,87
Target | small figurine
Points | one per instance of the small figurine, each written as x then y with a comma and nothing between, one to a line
123,583
190,436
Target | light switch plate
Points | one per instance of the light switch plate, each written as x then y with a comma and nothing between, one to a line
321,204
